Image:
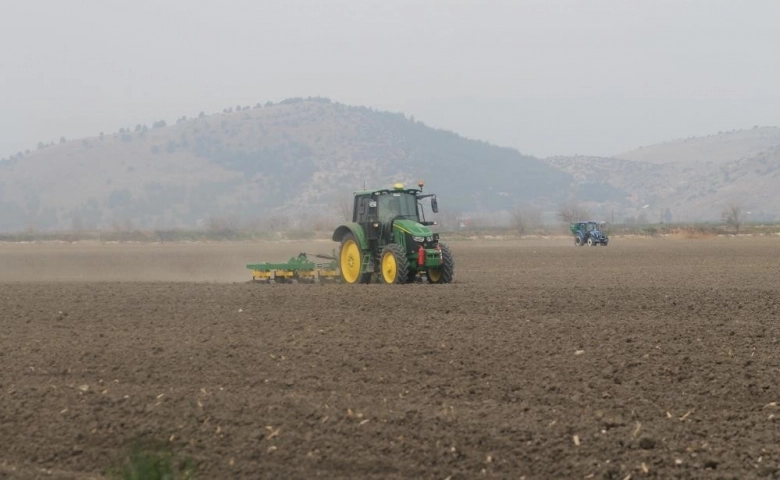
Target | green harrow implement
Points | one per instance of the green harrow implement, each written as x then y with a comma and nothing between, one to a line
297,269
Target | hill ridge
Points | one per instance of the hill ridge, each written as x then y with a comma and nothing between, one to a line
294,158
294,164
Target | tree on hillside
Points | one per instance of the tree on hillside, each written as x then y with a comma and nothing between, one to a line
223,223
525,219
77,223
572,212
732,216
450,220
667,216
342,206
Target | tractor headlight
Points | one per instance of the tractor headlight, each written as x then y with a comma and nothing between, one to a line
418,239
430,239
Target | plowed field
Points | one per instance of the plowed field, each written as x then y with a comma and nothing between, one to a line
646,359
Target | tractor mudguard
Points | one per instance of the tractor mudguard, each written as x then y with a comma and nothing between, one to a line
356,230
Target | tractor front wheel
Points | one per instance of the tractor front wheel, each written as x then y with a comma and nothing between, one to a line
446,272
590,241
350,260
394,265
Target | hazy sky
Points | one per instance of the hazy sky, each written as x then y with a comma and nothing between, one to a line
546,77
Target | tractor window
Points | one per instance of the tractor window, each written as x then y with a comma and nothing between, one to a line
394,204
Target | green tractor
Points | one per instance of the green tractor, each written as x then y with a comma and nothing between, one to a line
390,238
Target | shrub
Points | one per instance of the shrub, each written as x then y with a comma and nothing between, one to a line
152,463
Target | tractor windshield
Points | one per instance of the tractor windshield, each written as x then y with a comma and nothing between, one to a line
395,204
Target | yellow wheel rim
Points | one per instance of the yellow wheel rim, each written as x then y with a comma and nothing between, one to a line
389,267
434,275
350,261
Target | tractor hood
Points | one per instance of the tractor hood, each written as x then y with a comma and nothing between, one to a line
413,228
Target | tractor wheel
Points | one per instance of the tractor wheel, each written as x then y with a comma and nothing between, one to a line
394,265
350,260
590,241
606,242
446,272
578,241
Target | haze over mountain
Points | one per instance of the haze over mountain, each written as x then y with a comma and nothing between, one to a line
297,162
298,159
684,180
719,148
545,77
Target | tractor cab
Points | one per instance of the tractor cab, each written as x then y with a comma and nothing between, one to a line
379,212
395,204
391,222
387,205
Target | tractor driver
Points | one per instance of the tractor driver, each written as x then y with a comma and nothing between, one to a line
392,208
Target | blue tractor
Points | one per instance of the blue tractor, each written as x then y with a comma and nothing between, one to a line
588,233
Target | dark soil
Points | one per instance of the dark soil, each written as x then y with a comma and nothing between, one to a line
644,359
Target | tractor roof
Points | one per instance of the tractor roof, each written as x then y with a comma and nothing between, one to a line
395,189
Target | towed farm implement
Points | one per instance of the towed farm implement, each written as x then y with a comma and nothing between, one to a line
297,269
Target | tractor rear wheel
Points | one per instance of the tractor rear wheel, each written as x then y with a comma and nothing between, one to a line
351,260
394,265
446,272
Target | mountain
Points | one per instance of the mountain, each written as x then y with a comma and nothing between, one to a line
295,163
297,159
722,147
683,180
